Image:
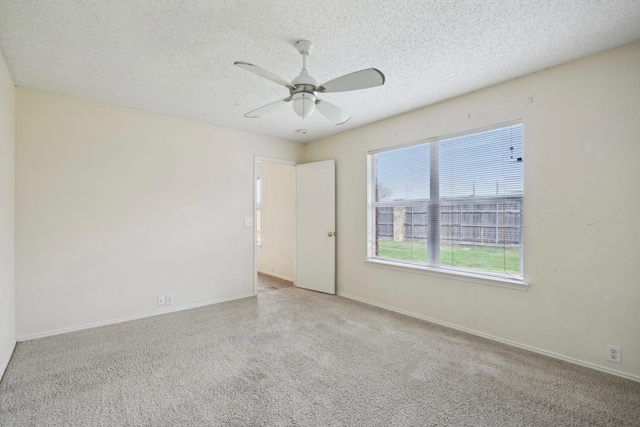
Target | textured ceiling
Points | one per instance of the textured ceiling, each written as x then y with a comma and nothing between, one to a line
176,57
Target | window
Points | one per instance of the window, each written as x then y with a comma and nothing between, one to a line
451,204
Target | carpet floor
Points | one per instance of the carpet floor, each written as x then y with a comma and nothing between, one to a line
294,357
270,283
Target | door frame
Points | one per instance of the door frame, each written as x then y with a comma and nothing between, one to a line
254,239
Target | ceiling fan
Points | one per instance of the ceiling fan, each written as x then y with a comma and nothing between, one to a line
304,89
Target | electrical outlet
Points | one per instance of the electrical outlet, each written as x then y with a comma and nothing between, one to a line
169,299
160,300
341,285
614,353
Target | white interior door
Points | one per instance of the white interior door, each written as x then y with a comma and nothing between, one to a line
316,226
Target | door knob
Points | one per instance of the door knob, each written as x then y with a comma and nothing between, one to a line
332,234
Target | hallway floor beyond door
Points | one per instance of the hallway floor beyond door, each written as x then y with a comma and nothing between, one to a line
271,283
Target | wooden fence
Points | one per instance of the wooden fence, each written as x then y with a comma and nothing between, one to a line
484,223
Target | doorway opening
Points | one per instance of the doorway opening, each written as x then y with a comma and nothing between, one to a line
275,215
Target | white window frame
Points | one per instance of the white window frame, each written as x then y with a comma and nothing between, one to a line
476,276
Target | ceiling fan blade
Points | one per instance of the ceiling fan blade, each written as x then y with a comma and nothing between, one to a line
264,73
362,79
269,107
331,112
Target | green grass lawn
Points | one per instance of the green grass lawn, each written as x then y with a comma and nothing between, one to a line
476,257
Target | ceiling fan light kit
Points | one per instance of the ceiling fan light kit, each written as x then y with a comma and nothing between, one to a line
304,104
304,89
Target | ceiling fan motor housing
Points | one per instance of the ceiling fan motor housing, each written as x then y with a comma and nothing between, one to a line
304,79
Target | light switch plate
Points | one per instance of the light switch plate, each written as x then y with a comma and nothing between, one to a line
248,222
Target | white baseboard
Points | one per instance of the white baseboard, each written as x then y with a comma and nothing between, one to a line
498,339
128,318
271,273
4,363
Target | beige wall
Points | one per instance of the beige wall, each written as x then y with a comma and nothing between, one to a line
275,255
116,206
581,159
7,235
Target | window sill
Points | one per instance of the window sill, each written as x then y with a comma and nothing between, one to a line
457,275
